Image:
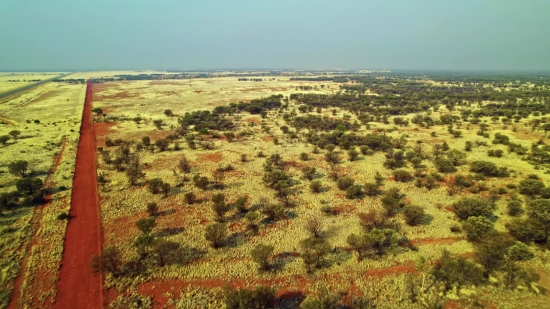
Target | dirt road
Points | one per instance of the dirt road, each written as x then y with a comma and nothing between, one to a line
78,287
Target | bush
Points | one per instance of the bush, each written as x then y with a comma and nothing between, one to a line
155,185
189,197
488,169
63,216
414,215
215,233
514,208
392,200
455,228
28,185
260,298
152,208
354,191
260,254
444,165
146,225
344,183
477,227
402,176
472,207
353,154
315,186
530,187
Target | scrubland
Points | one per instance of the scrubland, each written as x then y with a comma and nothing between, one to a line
311,261
43,125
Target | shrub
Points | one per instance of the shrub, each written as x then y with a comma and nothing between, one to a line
472,207
477,227
155,185
260,254
189,197
392,201
530,187
260,298
18,168
344,183
444,165
315,186
414,215
354,191
216,233
402,176
308,172
304,156
152,208
28,185
514,207
353,154
146,225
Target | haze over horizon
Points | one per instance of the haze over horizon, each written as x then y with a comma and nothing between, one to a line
193,35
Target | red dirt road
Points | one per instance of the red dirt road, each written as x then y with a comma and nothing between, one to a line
78,287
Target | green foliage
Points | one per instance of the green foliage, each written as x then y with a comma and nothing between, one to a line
162,144
201,182
28,186
260,298
444,165
152,208
260,254
402,176
155,185
344,183
514,207
272,178
456,271
539,210
146,225
308,172
392,201
472,207
315,186
488,169
354,191
314,250
18,168
189,197
110,261
531,187
414,215
477,227
353,154
273,212
216,233
490,250
4,139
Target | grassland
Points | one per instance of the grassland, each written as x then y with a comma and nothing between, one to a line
129,109
48,119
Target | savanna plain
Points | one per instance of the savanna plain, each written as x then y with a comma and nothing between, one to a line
279,189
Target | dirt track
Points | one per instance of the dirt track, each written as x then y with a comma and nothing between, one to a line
78,287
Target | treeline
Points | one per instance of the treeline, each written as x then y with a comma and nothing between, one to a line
250,79
336,79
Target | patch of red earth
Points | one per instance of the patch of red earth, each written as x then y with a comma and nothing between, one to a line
212,157
345,209
253,120
41,277
198,91
102,131
398,269
274,89
117,96
77,286
449,209
267,138
121,230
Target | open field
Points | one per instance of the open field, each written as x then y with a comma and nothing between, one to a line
48,119
11,81
192,274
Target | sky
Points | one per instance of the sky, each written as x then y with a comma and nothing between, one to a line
471,35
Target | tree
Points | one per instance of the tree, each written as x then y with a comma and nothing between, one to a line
155,185
189,197
359,244
392,200
152,208
230,136
220,207
28,185
18,168
272,178
414,215
402,176
344,183
531,187
476,227
456,271
539,210
8,199
184,165
308,172
472,207
4,139
168,113
14,134
165,251
165,189
444,165
201,182
216,233
252,218
383,240
110,261
260,254
353,154
146,225
162,144
490,250
273,212
146,140
456,156
98,111
314,250
218,176
315,227
315,186
134,172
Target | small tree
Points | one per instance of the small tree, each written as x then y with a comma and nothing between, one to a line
146,225
230,136
252,218
359,244
189,197
260,298
539,210
273,212
152,209
18,168
162,144
477,227
472,207
414,215
392,200
314,251
184,165
146,140
220,207
216,233
109,261
155,185
353,154
315,186
260,254
28,185
4,139
98,111
344,183
240,203
165,252
314,226
308,172
168,113
15,134
134,172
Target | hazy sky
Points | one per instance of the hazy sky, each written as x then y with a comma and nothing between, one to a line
208,34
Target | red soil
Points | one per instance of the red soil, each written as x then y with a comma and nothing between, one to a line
102,130
78,287
214,157
35,226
